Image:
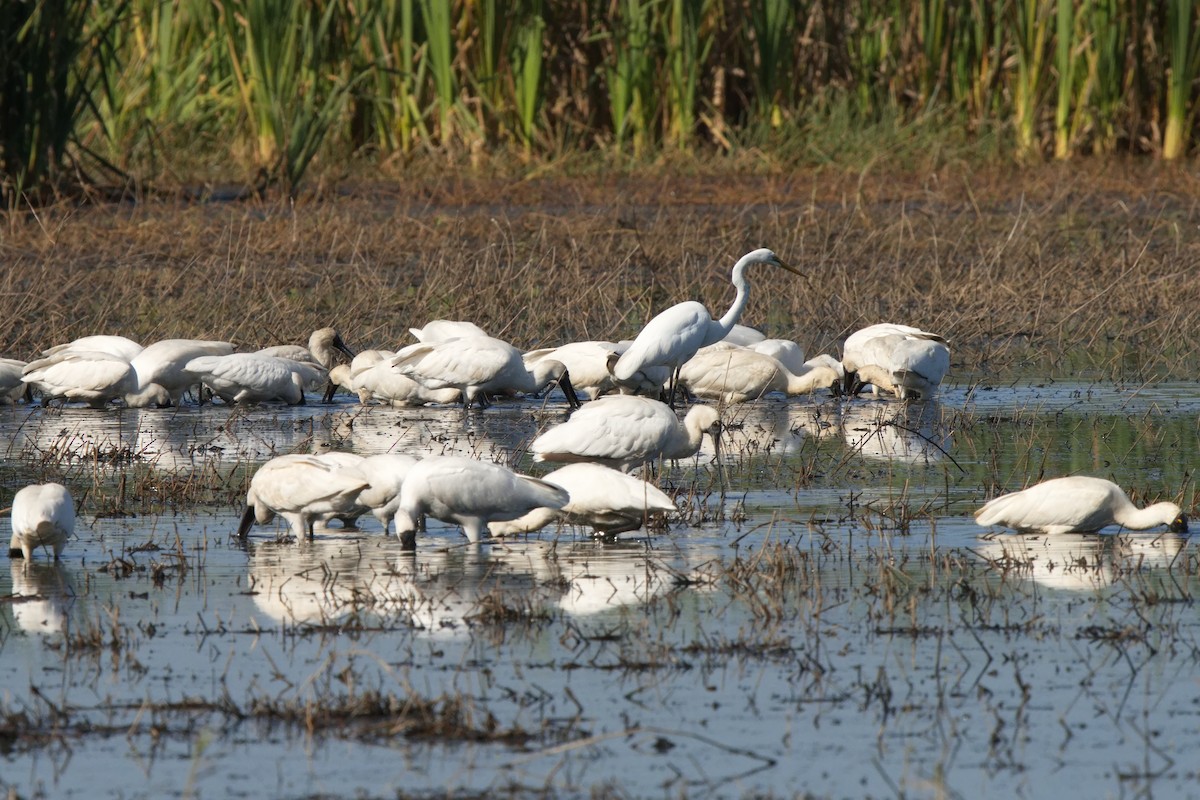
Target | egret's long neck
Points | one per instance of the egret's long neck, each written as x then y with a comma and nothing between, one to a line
1139,519
739,302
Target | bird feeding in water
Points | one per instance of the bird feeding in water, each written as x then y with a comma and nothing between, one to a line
1077,504
43,515
674,335
626,431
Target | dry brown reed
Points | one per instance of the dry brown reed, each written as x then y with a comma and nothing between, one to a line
1018,271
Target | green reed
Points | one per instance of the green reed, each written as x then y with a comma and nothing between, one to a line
1183,59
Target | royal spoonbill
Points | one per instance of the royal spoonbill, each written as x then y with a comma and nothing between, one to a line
675,335
468,492
324,344
608,501
303,489
740,374
120,346
43,515
874,349
477,365
626,431
254,378
1077,503
91,377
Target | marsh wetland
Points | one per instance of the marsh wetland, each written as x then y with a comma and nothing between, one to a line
822,617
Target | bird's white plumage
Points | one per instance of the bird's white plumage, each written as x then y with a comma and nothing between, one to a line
1076,503
785,351
674,335
92,377
600,497
164,363
43,515
11,384
476,366
736,375
586,362
302,489
470,493
898,359
120,346
443,330
254,378
625,431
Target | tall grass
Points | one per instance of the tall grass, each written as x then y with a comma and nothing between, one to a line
262,87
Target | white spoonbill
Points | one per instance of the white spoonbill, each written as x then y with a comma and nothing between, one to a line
675,335
785,351
43,515
372,377
477,365
254,378
165,363
1077,503
626,431
91,377
743,336
609,501
443,330
740,374
468,492
120,346
302,489
861,350
324,344
906,367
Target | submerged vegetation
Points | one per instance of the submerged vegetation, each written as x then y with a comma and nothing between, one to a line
147,92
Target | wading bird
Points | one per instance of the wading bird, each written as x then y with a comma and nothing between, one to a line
626,431
739,374
324,344
1077,503
443,330
254,378
43,515
675,335
303,489
608,501
478,365
470,493
894,358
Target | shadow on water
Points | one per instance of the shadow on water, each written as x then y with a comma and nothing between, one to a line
835,623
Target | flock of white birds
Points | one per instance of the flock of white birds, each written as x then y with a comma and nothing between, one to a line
682,349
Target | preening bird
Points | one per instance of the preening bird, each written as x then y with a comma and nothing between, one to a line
470,493
739,374
626,431
43,515
478,365
604,499
1077,503
675,335
303,489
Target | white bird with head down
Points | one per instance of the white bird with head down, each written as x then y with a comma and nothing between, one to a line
608,501
626,431
468,492
739,374
1077,504
303,489
894,358
443,330
324,344
43,515
478,365
674,335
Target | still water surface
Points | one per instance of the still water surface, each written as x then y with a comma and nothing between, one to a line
823,617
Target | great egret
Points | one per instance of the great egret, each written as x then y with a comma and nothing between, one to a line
675,335
608,501
1077,503
302,489
740,374
874,349
468,492
478,365
254,378
626,431
43,515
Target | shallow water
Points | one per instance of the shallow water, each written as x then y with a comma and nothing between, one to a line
833,622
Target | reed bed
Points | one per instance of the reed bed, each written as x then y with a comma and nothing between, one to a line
190,90
1084,275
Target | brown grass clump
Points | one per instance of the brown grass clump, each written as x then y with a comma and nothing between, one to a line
1018,270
